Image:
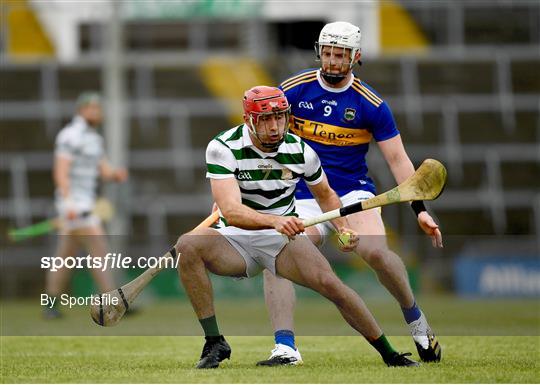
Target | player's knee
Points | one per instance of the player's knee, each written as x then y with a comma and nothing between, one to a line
186,250
181,244
377,258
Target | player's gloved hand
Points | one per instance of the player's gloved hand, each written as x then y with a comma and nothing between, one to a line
289,226
347,239
431,228
120,175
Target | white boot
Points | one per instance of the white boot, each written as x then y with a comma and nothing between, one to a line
427,345
282,355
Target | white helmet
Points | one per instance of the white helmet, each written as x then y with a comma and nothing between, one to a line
340,34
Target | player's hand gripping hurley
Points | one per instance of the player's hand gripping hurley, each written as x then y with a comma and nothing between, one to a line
427,183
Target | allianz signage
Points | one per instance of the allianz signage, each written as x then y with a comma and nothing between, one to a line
497,277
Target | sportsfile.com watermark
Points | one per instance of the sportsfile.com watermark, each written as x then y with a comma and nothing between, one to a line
109,261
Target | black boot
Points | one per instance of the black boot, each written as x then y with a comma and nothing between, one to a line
433,352
215,350
400,359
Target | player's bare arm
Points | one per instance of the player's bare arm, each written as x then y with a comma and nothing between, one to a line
111,174
328,200
402,167
227,196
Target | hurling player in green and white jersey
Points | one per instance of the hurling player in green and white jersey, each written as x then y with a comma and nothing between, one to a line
253,170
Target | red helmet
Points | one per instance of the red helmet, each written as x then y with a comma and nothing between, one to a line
262,100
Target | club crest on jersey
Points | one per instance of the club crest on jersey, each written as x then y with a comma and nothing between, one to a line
286,174
350,114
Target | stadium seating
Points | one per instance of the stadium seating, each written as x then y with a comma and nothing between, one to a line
476,110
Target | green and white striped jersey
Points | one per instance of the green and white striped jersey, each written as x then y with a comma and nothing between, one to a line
267,180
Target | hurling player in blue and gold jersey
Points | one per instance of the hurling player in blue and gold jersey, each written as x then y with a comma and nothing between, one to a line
338,115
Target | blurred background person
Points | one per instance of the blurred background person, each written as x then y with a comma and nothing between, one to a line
79,160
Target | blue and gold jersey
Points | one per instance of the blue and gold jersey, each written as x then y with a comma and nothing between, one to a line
338,124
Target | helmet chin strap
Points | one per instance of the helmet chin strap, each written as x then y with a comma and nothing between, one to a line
332,78
270,146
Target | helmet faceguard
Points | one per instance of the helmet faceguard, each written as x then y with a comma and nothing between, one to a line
261,102
342,35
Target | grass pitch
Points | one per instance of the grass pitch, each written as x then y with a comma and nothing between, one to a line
509,351
327,360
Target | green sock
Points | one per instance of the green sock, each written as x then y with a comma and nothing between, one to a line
383,347
210,327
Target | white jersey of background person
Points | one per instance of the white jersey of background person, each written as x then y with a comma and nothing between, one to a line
84,146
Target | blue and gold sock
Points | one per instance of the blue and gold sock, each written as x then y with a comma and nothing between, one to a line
285,337
411,314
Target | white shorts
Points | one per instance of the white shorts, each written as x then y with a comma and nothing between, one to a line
259,248
84,219
308,208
